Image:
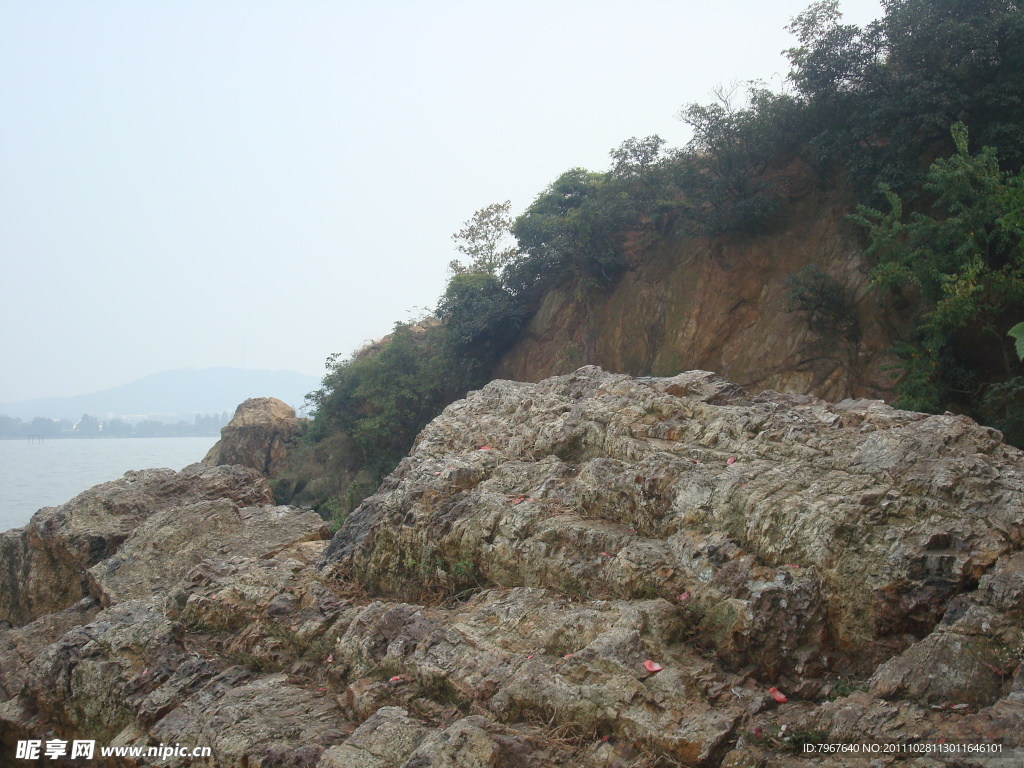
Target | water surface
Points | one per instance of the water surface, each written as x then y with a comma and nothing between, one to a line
35,474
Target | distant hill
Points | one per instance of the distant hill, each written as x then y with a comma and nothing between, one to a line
172,395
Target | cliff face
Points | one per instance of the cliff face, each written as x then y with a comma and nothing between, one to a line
593,570
719,305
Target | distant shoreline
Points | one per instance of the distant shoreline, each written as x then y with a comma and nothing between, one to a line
37,438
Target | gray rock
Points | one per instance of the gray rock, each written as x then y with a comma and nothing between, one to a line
566,573
257,435
792,523
45,563
169,543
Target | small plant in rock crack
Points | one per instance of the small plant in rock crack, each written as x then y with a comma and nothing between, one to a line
844,686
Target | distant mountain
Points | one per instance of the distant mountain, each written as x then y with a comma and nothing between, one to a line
173,395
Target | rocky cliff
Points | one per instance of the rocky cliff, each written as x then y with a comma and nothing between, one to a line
719,304
593,570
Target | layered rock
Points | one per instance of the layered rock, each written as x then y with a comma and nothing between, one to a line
256,436
594,570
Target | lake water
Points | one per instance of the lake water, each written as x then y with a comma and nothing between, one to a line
47,473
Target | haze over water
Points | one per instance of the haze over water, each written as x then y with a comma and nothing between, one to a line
50,472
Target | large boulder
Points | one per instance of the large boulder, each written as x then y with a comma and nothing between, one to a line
256,436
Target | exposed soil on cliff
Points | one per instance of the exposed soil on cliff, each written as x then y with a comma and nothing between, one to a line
719,304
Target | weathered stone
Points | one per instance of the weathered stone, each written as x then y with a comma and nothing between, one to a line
385,740
968,663
530,651
594,570
168,544
256,436
45,563
720,304
845,528
20,645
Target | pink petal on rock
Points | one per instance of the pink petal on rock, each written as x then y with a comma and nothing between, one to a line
778,695
330,658
396,678
731,460
684,597
567,656
486,448
652,666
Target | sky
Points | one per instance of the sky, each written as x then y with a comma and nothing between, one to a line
260,184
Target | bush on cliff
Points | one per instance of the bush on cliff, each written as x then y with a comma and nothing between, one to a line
964,260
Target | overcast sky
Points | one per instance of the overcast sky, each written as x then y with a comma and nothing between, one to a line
261,184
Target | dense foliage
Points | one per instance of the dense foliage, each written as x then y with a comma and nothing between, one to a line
876,100
964,260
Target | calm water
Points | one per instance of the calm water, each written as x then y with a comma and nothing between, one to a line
48,473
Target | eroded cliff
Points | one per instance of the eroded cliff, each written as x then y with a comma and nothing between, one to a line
719,304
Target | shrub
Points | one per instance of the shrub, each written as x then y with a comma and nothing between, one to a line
828,304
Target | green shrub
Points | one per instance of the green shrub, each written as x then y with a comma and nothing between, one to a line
482,318
965,261
828,304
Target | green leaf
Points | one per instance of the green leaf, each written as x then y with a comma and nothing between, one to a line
1017,332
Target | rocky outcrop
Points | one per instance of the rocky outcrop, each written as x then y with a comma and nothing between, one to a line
256,436
45,563
593,570
807,536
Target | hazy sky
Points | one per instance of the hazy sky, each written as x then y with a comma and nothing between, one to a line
261,184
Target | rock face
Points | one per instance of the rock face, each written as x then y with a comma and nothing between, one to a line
807,535
256,435
593,570
45,563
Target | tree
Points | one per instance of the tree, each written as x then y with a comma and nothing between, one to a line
486,240
43,427
965,259
481,317
576,226
878,99
1017,333
731,150
88,426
